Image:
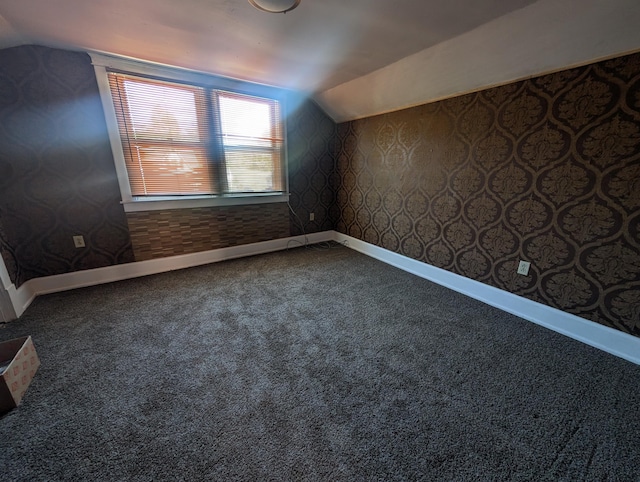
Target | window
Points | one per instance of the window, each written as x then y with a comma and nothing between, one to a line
251,141
180,141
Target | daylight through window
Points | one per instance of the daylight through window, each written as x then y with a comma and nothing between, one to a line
187,140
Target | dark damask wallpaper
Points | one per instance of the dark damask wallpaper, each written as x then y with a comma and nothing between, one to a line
57,177
546,170
310,138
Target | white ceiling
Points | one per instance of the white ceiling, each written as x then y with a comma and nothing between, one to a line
325,47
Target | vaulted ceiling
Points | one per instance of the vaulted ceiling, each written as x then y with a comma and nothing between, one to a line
356,57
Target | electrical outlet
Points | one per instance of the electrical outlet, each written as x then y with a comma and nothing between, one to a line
523,267
78,241
312,216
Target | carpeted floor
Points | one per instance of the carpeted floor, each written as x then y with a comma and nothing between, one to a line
310,365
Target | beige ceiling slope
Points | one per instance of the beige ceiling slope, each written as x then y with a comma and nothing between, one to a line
320,44
547,36
9,37
359,57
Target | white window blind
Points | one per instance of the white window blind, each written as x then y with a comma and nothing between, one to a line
252,142
186,140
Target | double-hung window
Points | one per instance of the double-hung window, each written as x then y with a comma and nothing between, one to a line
191,143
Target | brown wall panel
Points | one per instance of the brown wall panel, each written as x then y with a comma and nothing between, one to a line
156,234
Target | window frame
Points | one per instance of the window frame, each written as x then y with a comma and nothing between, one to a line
103,63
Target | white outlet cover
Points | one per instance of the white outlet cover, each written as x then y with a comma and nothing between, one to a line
523,267
78,241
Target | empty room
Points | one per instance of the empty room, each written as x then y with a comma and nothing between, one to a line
356,240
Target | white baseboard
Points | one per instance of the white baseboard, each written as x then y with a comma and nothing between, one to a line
7,311
22,297
599,336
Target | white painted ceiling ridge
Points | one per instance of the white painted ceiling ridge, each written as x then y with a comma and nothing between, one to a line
547,36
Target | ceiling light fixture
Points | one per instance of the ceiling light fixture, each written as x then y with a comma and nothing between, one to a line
275,6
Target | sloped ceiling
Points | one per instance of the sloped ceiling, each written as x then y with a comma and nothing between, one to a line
547,36
356,57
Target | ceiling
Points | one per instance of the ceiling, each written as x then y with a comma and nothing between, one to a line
319,45
317,48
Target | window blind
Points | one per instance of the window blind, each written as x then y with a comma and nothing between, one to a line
252,141
180,139
164,131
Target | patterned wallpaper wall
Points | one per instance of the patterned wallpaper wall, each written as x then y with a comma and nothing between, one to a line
310,137
57,177
546,170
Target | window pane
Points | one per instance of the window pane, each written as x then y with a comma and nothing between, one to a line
162,112
252,142
251,171
245,122
172,171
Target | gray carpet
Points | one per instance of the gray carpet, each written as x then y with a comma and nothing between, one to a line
310,365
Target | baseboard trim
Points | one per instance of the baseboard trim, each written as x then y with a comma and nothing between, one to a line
7,311
22,297
599,336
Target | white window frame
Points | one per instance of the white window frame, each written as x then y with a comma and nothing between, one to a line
101,64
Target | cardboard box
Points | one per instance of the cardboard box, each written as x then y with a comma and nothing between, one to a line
18,364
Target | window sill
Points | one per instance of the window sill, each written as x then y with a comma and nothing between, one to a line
164,203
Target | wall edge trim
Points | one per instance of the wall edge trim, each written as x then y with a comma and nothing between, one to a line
7,306
610,340
22,297
7,289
